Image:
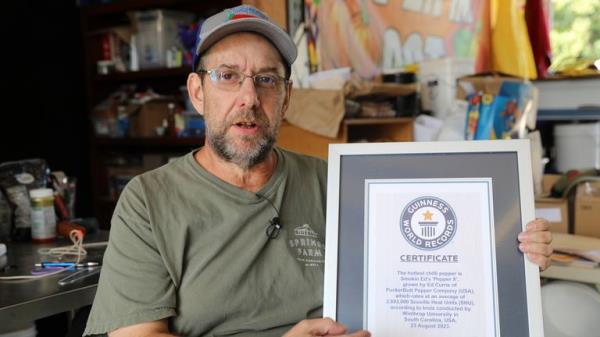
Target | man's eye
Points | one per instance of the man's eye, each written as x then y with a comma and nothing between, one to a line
227,75
266,79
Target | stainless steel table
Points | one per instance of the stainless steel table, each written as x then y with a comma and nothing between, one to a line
23,301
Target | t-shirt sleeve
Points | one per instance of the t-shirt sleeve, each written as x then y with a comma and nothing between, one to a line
134,284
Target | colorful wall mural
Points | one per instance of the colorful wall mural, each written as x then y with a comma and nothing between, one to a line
372,36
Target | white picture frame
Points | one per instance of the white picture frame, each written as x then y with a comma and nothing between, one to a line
506,163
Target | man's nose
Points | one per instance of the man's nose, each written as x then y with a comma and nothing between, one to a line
248,93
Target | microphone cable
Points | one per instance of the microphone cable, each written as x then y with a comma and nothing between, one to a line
275,225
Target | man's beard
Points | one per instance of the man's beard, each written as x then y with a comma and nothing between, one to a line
261,145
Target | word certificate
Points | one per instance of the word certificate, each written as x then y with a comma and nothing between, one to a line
429,261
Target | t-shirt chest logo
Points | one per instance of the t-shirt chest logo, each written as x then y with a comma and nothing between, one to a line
307,245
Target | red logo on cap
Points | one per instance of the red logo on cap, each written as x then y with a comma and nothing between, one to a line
240,16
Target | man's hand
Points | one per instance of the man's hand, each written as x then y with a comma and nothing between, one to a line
322,327
536,242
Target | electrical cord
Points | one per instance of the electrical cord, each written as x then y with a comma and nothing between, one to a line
275,225
77,249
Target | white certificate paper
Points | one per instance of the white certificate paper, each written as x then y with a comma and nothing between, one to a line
430,267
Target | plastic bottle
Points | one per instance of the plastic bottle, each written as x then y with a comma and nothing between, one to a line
19,196
171,129
134,64
43,218
122,121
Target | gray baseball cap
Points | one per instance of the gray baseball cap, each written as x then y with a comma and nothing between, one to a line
243,19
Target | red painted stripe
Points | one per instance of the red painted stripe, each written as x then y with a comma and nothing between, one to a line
243,16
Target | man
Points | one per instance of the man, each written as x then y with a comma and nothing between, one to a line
205,244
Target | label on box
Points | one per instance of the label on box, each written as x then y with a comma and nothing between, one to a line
550,214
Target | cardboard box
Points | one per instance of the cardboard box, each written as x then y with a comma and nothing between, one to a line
491,83
144,119
555,210
486,82
321,111
317,111
547,182
587,209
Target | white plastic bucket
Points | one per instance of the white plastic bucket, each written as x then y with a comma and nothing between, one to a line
570,309
577,146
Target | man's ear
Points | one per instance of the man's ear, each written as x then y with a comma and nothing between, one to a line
286,99
195,93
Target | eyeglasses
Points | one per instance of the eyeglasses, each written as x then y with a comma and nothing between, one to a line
231,80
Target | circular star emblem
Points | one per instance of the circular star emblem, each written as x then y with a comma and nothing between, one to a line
428,223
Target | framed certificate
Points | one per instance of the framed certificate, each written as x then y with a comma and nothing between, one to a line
422,239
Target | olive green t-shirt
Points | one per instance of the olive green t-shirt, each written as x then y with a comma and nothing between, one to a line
189,246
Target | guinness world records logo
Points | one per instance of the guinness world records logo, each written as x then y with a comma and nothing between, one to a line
428,223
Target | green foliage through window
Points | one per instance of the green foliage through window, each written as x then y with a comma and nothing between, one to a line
575,33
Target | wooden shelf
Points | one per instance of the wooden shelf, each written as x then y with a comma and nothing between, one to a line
102,16
148,74
396,129
97,19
